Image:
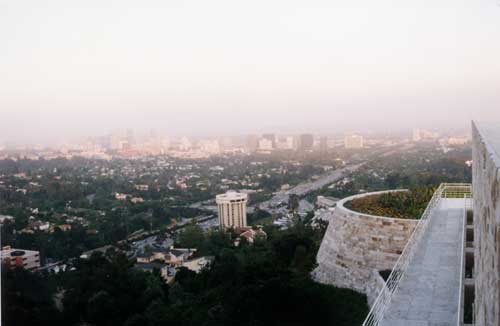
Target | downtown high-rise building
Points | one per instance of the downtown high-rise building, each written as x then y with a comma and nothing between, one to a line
271,138
353,142
306,142
323,144
265,144
252,143
130,137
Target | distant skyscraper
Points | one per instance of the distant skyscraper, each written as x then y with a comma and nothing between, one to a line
226,142
103,141
424,135
209,146
271,138
416,135
115,141
130,137
252,143
323,144
232,208
291,142
286,143
306,142
165,143
265,144
185,144
353,142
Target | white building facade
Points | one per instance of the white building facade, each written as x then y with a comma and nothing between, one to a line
232,208
27,259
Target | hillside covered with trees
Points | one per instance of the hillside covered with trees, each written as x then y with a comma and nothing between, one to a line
264,284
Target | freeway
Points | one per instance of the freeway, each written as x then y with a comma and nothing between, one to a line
303,189
281,197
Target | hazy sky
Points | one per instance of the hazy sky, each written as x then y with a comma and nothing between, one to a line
70,68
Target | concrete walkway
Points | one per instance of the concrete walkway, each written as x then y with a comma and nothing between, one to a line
428,294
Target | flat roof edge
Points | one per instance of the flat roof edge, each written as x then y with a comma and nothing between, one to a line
490,136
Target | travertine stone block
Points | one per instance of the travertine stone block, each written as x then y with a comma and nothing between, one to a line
486,184
357,246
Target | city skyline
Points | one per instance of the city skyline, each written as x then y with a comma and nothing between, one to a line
23,129
280,140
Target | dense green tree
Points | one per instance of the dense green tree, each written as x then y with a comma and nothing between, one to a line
27,299
191,237
257,215
101,308
109,282
262,284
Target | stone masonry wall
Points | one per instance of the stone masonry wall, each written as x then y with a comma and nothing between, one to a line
356,246
486,192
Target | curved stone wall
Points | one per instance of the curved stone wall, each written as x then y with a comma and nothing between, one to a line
356,246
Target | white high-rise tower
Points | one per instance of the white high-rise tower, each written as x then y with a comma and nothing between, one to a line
232,208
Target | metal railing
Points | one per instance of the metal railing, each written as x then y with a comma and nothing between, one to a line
463,276
445,190
457,190
460,310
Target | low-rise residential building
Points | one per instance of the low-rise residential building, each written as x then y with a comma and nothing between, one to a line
141,187
27,259
62,227
119,196
197,264
144,258
172,256
37,225
136,200
167,269
4,218
249,234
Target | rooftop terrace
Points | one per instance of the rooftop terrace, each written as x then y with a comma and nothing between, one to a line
425,286
429,292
